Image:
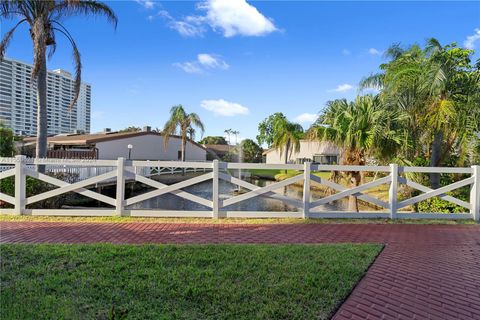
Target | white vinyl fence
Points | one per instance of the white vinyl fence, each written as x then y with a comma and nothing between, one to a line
95,172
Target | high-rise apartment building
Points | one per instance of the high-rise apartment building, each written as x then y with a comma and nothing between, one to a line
18,100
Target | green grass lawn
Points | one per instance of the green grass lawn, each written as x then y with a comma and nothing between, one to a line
264,173
104,281
281,175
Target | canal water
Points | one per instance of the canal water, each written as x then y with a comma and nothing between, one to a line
228,190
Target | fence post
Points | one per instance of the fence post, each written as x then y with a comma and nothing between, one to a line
215,189
20,185
475,194
120,197
306,189
392,195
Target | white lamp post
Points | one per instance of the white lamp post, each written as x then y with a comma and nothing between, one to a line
130,147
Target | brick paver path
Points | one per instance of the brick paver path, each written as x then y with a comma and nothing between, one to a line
424,272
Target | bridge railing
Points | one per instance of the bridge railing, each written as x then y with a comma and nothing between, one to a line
120,172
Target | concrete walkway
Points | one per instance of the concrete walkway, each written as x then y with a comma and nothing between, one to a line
424,272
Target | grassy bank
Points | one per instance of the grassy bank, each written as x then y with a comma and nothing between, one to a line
179,281
280,174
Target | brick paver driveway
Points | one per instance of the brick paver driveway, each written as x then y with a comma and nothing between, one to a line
424,272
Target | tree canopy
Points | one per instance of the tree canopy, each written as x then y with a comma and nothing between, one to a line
251,151
360,128
279,133
131,129
213,140
438,88
182,123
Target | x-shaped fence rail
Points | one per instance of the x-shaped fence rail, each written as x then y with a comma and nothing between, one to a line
120,172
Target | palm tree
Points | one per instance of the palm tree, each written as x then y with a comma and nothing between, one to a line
438,88
286,138
191,133
182,123
44,18
235,133
279,133
228,132
360,128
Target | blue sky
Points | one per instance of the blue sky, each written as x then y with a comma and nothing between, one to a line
234,63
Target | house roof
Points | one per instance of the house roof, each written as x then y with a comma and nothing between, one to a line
88,139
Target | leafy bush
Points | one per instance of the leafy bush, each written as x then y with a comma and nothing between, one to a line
7,144
439,205
34,187
436,204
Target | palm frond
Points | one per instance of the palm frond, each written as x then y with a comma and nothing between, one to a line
394,51
77,61
53,47
7,38
10,9
195,120
82,7
374,81
433,46
180,120
169,129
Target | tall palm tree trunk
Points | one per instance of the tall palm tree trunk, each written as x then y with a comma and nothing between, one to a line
285,160
184,147
42,126
435,159
355,181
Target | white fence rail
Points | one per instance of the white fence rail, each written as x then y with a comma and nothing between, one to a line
93,172
82,172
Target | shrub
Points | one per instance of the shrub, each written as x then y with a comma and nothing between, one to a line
439,205
436,204
7,143
34,187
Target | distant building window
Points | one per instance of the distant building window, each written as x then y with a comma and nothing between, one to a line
325,159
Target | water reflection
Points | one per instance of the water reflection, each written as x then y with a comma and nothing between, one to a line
228,190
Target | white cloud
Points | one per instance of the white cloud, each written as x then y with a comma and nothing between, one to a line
306,118
469,43
342,88
224,108
147,4
236,17
204,61
185,28
189,67
346,52
374,52
229,17
212,61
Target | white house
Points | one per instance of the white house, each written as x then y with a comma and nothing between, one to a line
144,145
314,151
